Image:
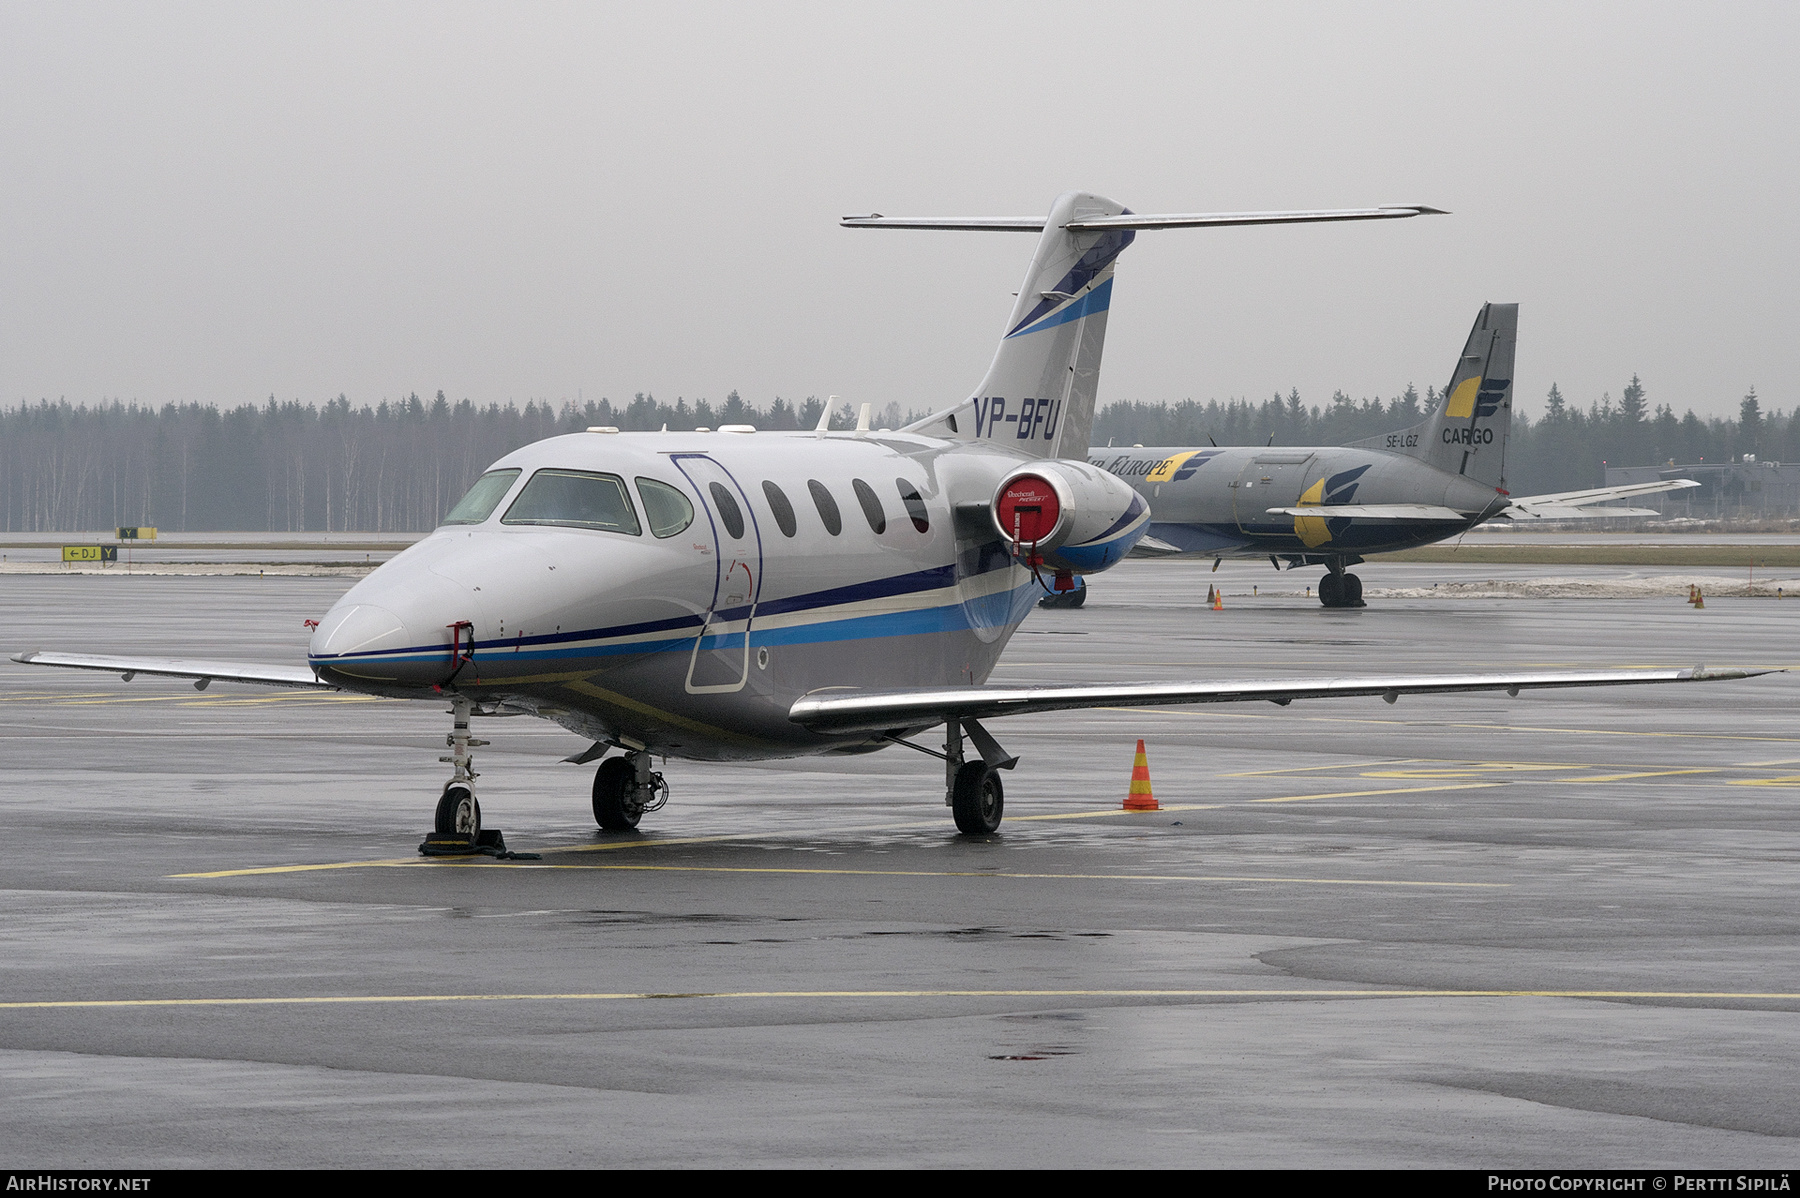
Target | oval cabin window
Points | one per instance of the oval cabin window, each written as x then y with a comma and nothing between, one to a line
828,508
729,511
784,511
871,505
914,504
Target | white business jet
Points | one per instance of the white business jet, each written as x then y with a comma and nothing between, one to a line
743,595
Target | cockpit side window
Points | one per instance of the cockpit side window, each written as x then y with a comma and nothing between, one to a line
479,502
668,509
575,499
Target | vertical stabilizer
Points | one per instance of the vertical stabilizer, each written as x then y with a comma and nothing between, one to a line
1467,433
1039,392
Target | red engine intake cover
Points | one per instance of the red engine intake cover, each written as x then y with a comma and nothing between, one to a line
1028,509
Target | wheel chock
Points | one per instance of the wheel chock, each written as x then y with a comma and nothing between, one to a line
1139,798
487,843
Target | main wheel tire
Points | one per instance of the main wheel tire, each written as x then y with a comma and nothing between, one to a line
978,800
458,810
1331,590
1352,591
615,794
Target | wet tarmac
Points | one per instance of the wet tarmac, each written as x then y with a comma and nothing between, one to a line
1559,930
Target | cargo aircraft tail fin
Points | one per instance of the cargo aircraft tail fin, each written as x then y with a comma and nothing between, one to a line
1466,434
1039,393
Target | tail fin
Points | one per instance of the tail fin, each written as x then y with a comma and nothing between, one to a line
1467,433
1038,395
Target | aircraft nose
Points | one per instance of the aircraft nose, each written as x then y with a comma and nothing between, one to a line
358,628
392,630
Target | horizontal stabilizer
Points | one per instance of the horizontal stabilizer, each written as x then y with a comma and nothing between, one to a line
1377,511
1552,511
849,709
1149,546
1133,220
169,667
1602,495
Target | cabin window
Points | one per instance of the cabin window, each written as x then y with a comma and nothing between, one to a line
784,511
668,509
728,510
575,499
482,498
871,505
828,508
914,504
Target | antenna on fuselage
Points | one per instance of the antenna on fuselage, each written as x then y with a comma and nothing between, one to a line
825,416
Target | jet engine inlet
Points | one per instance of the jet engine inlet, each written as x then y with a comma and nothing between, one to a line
1071,516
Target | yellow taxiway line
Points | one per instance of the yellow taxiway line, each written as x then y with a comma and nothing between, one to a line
626,996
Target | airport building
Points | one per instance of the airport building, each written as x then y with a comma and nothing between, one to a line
1743,488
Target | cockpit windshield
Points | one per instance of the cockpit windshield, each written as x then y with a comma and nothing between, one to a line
482,498
575,499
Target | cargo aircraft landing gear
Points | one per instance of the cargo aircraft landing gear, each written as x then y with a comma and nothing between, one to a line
624,789
1340,588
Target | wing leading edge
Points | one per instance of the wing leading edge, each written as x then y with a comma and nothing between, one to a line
202,672
850,710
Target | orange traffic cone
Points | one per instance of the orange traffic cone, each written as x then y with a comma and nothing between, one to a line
1699,598
1691,589
1140,798
1219,600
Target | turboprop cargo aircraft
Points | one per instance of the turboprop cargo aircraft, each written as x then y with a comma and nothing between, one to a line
1332,506
736,595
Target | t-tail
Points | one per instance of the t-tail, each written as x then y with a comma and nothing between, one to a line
1039,393
1467,432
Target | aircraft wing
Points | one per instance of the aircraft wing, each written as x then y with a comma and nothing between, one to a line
851,709
1137,220
202,672
1376,511
1575,505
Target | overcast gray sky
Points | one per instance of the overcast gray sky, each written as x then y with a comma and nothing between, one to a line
219,202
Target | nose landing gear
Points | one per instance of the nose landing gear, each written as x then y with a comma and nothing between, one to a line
625,788
457,809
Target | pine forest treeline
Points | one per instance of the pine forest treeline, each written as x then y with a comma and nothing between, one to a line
398,466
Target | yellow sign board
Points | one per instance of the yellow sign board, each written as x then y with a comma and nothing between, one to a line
90,553
137,534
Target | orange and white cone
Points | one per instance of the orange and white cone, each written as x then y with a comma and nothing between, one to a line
1139,798
1219,600
1699,598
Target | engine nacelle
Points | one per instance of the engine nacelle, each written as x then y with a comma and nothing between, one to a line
1077,518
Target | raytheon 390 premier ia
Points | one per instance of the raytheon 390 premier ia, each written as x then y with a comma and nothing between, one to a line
742,595
1330,506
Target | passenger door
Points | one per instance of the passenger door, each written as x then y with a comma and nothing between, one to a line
719,661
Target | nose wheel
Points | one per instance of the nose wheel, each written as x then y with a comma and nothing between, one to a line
457,810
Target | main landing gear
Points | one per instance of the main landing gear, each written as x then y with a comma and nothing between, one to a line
972,788
1340,588
625,788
